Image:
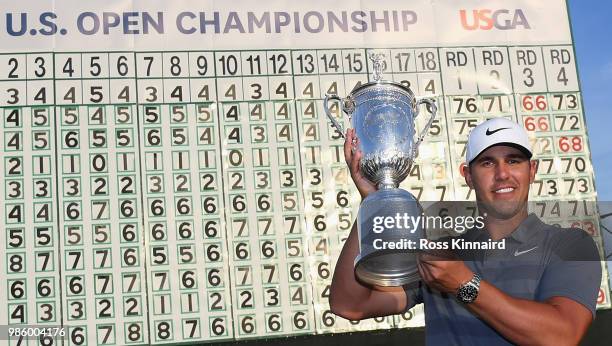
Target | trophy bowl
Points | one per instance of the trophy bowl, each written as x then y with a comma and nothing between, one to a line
383,121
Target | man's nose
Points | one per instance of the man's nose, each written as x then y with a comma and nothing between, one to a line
502,171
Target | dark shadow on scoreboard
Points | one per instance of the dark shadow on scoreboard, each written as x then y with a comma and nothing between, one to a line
599,334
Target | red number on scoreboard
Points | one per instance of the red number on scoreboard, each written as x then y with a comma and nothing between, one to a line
537,103
570,143
587,226
601,297
536,123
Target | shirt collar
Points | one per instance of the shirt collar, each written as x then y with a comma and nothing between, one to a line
527,229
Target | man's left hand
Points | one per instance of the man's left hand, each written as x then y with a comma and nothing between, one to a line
443,271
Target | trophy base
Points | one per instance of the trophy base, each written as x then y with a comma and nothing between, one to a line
389,236
388,269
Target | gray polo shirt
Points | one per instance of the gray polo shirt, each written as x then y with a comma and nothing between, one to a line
540,261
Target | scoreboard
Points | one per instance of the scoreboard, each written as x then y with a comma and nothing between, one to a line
168,174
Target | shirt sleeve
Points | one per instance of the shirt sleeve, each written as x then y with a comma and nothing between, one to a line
414,294
574,270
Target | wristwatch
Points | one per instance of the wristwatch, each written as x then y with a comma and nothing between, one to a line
468,292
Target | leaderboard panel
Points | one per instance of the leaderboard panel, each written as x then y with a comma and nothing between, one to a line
175,196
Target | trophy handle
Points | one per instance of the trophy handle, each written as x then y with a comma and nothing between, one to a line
433,109
346,108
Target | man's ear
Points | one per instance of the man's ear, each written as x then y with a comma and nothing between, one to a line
533,169
464,170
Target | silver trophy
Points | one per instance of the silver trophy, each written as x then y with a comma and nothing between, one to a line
383,115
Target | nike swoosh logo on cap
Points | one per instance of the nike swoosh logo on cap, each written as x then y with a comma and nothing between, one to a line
489,132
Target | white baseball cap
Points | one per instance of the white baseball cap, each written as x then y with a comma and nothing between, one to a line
493,132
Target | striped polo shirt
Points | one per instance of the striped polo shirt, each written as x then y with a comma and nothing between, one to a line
539,261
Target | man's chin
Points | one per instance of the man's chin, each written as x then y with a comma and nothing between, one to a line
502,210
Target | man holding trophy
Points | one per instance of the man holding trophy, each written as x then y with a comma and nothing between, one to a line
541,289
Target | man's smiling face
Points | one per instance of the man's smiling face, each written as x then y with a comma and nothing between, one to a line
501,176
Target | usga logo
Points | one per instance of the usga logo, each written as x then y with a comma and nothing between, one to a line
486,19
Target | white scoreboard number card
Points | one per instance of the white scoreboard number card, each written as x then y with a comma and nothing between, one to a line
169,175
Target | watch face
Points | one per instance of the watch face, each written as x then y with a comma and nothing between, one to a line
468,293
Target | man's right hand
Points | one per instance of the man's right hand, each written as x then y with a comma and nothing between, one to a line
353,155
